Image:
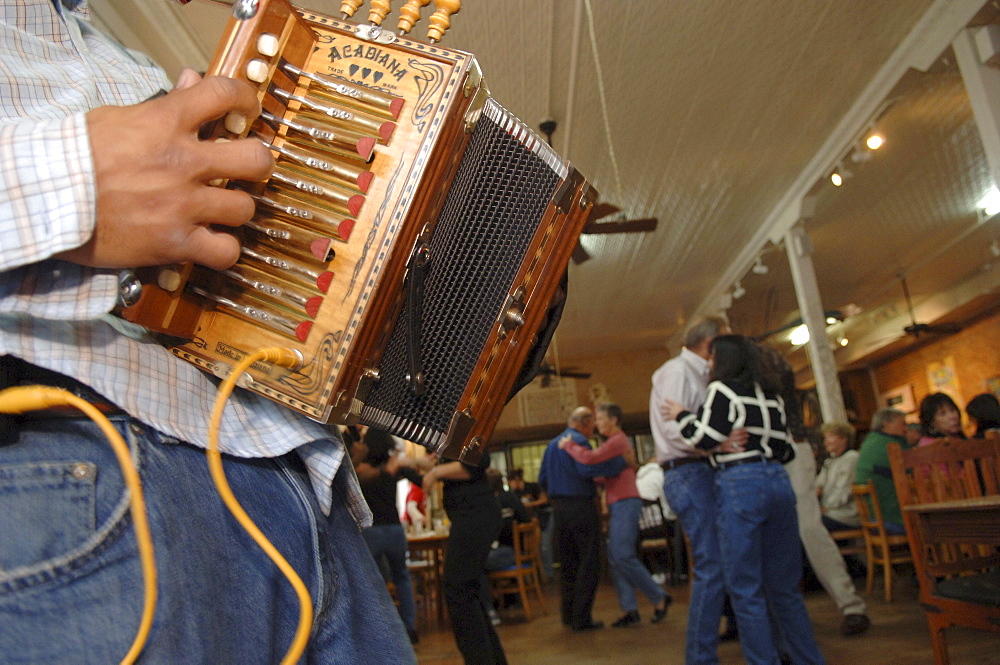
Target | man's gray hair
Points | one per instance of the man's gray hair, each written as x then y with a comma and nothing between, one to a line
707,328
885,415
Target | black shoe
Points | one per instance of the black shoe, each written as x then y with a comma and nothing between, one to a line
854,624
630,618
593,625
661,614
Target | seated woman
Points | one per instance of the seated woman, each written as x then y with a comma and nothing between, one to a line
939,418
757,522
984,413
833,484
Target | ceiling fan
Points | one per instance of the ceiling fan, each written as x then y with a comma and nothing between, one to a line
601,210
547,371
918,329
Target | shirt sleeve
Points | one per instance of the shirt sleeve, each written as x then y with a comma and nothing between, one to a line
47,205
710,426
607,450
672,384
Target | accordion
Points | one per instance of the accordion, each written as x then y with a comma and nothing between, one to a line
410,243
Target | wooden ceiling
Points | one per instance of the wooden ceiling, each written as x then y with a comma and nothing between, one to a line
720,117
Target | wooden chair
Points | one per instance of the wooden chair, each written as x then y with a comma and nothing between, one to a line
526,573
956,555
849,541
881,548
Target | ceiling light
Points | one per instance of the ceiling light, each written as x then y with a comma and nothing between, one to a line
800,335
874,141
839,175
739,291
759,268
995,248
843,341
990,204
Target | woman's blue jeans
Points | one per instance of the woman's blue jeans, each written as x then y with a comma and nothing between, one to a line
71,587
389,541
762,562
627,572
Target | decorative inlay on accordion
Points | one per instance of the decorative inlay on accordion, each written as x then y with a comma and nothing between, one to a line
408,243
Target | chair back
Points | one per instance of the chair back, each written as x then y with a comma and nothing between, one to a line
527,542
869,510
948,469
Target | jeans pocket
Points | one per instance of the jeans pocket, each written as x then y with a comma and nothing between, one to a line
46,510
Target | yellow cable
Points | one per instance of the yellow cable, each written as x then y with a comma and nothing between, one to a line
285,358
34,398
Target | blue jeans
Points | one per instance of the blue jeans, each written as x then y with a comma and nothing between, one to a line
627,572
690,491
71,587
762,562
389,541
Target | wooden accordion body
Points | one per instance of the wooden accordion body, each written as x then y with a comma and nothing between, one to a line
408,244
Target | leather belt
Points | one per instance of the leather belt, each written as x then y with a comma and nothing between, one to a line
15,372
681,461
756,459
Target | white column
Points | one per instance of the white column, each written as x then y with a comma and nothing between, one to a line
798,247
982,82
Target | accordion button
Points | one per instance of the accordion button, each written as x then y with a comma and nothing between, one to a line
267,44
257,70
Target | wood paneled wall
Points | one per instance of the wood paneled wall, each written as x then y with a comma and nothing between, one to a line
975,353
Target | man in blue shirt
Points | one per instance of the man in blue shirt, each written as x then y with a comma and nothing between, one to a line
571,491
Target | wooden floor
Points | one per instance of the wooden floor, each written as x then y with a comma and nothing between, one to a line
898,635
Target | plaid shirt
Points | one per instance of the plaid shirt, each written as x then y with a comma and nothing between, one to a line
54,67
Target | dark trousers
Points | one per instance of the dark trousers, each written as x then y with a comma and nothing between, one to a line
578,542
473,530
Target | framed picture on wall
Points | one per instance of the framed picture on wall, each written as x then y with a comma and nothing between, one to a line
899,398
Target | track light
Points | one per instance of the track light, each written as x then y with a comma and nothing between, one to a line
995,248
839,175
738,291
759,268
874,141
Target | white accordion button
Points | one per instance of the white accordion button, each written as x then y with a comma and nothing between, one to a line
257,70
267,44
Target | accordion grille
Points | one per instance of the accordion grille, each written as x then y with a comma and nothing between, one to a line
496,203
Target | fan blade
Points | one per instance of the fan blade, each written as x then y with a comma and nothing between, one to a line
602,210
579,254
624,226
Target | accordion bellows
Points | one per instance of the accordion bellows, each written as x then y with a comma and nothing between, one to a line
408,244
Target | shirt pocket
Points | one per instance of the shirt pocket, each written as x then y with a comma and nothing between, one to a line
47,509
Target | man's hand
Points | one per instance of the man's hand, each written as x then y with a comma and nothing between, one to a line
565,441
154,203
669,409
736,442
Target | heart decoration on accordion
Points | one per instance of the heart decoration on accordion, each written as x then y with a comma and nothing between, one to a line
366,72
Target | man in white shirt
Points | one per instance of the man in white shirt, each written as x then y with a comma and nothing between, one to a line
689,484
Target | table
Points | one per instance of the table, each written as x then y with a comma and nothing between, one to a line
427,565
960,521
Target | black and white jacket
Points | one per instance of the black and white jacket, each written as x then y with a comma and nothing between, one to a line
730,406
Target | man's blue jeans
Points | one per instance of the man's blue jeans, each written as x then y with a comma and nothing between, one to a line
690,492
627,572
389,541
71,588
762,562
